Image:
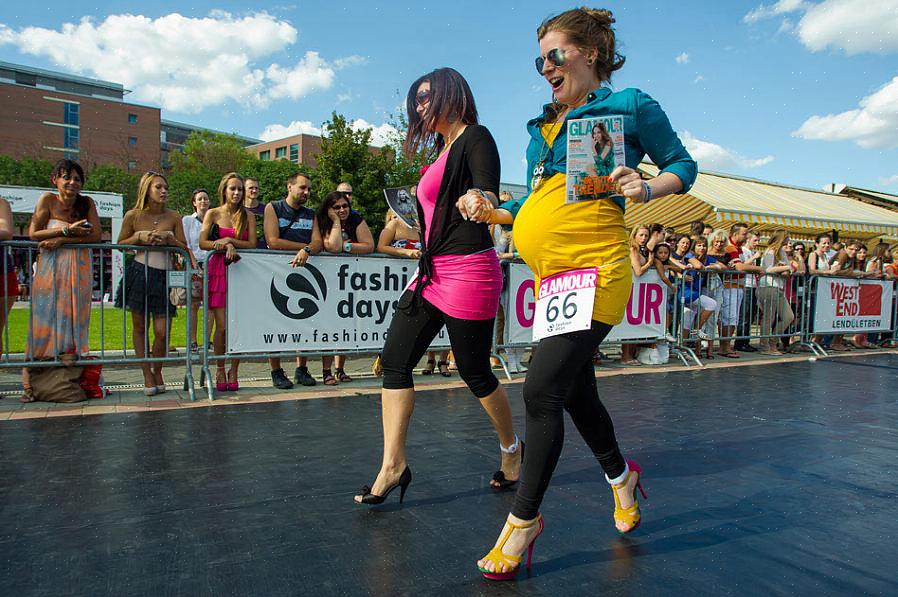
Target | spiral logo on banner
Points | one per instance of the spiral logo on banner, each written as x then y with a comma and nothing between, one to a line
300,299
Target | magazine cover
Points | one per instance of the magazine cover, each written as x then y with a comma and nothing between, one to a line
403,202
595,147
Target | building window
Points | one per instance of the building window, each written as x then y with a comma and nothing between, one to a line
294,153
132,165
132,118
280,152
265,155
132,140
71,114
71,138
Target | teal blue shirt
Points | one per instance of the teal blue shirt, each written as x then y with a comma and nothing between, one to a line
647,131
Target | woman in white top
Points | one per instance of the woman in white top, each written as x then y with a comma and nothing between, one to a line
192,225
776,312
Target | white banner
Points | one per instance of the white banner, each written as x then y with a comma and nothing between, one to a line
333,302
24,200
851,306
646,315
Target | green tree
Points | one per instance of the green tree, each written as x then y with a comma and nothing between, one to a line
27,172
205,159
113,179
346,156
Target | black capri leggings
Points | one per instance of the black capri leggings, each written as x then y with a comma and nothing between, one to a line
413,329
561,377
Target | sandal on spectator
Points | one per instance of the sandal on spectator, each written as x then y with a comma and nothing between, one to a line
630,362
444,369
431,365
341,375
730,355
328,378
27,395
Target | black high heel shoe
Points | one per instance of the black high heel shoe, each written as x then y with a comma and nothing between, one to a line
404,480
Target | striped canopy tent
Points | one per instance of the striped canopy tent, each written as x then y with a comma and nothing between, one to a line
721,200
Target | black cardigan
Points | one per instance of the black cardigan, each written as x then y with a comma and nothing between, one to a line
472,163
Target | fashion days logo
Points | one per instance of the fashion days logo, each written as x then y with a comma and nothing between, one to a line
301,297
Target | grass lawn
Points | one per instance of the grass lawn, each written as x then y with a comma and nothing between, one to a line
112,329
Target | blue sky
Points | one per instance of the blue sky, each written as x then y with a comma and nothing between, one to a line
800,92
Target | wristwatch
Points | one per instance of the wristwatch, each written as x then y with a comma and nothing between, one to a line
347,247
307,249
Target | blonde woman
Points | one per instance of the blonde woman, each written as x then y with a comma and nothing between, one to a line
776,313
144,291
228,227
641,261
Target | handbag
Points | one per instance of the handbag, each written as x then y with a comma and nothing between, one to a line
91,381
57,384
177,296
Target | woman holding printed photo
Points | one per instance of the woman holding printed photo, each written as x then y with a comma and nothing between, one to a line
577,56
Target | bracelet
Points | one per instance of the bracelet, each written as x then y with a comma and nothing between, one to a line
307,249
647,191
347,247
65,231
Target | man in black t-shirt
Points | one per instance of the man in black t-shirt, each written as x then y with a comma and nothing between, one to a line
290,226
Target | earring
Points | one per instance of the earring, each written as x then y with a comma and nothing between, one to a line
589,62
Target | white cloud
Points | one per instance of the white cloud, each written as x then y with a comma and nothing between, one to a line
872,125
711,156
344,97
889,181
341,63
853,26
698,79
183,63
307,76
279,131
682,58
771,10
381,135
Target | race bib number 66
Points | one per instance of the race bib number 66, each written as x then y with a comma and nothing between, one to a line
564,303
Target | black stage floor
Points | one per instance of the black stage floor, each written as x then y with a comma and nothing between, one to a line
775,479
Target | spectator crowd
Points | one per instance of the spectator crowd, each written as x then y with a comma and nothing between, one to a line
725,288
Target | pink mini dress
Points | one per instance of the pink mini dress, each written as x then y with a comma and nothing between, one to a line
463,286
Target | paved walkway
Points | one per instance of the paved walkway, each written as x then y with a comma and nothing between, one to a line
255,385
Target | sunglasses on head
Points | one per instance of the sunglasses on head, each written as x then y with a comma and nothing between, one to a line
556,56
422,97
345,193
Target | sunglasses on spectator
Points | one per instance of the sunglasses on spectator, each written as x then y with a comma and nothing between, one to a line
340,207
423,97
556,56
346,194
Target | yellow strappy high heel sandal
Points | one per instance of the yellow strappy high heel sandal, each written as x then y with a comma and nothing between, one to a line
631,515
497,556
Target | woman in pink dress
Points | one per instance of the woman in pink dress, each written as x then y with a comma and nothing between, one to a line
225,228
459,278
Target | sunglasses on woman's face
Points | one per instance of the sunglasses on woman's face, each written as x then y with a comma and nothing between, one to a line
341,206
555,56
423,97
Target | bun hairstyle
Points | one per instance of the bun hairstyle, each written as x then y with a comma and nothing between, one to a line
588,28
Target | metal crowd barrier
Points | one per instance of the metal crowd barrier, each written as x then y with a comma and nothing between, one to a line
752,307
99,258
